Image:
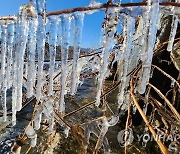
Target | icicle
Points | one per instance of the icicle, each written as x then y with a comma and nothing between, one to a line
104,129
3,81
41,6
52,47
146,66
78,25
145,108
65,31
151,73
145,21
34,141
14,75
51,123
32,135
20,50
37,118
134,109
10,45
110,27
48,111
129,26
41,33
66,132
31,48
174,26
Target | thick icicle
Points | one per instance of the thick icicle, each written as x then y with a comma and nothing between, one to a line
146,66
14,78
174,26
48,111
3,81
34,141
10,45
37,118
145,21
129,26
52,47
78,25
109,27
20,50
32,135
41,32
31,48
65,31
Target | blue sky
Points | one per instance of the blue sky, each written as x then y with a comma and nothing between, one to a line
92,23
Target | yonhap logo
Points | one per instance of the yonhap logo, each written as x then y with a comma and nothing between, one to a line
125,137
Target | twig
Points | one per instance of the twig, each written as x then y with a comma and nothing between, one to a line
167,101
94,120
61,118
127,122
28,150
165,112
173,79
99,137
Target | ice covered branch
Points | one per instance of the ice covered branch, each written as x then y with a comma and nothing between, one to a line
102,6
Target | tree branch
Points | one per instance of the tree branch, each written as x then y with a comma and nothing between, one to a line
93,8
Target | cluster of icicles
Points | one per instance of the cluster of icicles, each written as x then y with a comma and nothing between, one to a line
26,37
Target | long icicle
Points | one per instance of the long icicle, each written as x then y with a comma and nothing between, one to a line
41,32
20,51
129,26
14,76
52,47
109,27
78,25
146,66
3,68
65,31
10,45
31,48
